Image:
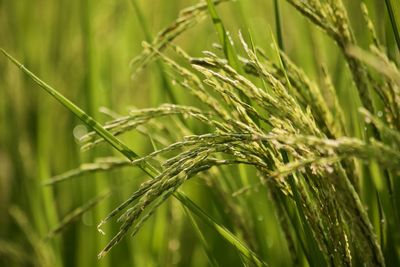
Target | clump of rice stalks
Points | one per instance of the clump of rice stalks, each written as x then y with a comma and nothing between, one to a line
271,116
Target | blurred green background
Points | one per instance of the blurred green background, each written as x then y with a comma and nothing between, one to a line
83,49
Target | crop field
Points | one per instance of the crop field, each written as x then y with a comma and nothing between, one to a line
199,133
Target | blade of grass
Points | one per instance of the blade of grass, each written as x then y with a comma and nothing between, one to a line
294,220
233,240
142,21
278,24
393,21
229,50
317,258
84,117
165,84
211,259
146,167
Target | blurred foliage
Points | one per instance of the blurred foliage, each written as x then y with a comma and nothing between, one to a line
84,48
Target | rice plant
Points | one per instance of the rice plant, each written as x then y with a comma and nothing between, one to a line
298,172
